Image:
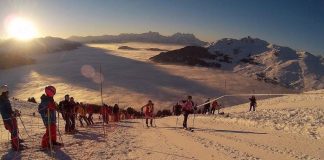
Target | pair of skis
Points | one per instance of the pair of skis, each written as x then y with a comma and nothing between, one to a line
189,129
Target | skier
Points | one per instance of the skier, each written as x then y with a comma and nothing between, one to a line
9,119
253,103
105,113
187,109
73,114
148,112
47,110
89,109
207,107
67,111
82,114
116,112
215,106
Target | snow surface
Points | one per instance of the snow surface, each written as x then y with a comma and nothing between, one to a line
289,127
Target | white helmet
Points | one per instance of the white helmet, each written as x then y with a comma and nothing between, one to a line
4,88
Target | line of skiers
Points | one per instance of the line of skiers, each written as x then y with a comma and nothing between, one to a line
187,107
70,109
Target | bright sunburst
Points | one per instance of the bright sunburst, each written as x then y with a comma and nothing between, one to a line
20,28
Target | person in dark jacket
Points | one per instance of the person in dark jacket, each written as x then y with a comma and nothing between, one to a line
207,107
9,118
67,113
253,103
47,110
73,115
116,112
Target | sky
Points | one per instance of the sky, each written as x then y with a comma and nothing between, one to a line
295,23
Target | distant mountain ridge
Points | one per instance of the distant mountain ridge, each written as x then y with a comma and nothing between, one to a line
149,37
255,58
14,53
37,45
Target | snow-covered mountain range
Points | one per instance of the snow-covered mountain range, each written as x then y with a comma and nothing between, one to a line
149,37
258,59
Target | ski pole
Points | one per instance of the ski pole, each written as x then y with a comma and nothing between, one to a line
154,121
58,128
193,121
24,127
49,132
177,122
142,121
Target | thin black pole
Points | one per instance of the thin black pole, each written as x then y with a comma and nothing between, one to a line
102,103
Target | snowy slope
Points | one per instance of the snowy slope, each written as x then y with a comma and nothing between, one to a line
272,63
289,127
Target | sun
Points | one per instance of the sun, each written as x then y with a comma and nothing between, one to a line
20,28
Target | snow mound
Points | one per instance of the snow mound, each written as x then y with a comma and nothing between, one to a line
300,113
300,120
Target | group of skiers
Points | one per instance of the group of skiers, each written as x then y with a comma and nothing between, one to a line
47,110
210,108
85,112
109,111
70,109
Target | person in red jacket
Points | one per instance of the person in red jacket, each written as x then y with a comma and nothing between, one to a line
105,113
215,106
47,110
187,109
148,110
